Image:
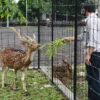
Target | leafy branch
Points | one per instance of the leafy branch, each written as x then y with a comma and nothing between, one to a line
8,8
53,47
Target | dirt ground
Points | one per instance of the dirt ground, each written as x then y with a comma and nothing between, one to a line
64,72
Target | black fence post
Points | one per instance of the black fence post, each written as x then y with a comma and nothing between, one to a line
38,33
75,51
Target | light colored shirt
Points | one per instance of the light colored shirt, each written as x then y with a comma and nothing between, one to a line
91,34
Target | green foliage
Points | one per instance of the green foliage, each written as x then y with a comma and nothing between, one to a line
45,6
36,82
34,7
67,6
5,8
8,8
22,18
52,47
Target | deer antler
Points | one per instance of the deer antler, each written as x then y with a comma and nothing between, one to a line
23,39
29,37
33,36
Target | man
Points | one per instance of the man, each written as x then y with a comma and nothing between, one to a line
91,37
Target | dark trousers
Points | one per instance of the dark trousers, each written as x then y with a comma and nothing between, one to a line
93,77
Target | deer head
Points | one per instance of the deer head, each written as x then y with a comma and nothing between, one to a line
27,41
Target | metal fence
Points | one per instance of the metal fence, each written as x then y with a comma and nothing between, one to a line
66,68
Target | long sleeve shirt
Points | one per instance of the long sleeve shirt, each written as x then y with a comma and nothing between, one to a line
91,34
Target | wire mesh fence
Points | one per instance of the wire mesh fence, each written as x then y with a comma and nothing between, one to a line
66,21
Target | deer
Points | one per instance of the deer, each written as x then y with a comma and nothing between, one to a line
17,59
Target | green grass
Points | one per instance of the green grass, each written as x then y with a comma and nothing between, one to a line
36,82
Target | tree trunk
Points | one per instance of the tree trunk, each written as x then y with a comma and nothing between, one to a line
7,21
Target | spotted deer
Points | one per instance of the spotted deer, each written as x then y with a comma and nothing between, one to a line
18,59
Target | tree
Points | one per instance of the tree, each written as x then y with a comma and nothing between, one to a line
34,7
9,10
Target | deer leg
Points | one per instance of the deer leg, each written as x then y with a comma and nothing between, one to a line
15,78
6,77
3,74
23,81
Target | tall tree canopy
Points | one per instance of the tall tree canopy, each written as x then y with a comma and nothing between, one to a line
34,7
67,6
11,9
8,8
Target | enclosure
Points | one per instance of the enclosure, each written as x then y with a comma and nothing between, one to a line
66,69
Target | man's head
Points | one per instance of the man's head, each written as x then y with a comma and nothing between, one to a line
89,8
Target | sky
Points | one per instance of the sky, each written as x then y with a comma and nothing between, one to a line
16,1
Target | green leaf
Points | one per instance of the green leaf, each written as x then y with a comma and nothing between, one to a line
53,47
42,46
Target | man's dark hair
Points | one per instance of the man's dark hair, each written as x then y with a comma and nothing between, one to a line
89,6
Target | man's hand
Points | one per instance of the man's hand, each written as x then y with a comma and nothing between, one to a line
87,59
88,55
67,39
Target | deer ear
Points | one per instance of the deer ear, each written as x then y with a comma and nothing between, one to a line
34,36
